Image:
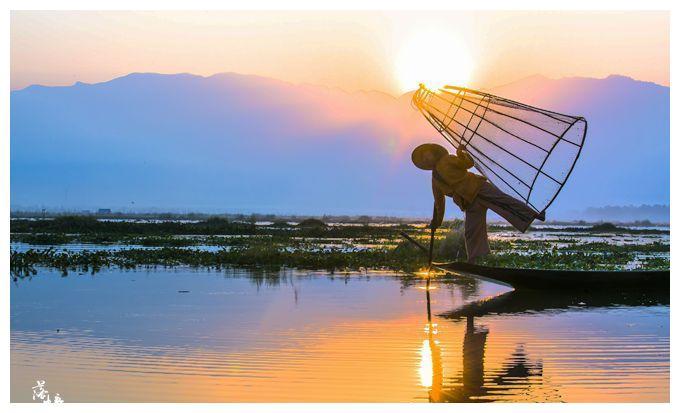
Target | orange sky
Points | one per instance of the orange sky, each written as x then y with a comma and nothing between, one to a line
385,51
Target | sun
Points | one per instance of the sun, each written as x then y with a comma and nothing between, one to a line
435,58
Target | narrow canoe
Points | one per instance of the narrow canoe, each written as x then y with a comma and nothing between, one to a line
525,278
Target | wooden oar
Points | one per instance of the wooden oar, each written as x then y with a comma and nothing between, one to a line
427,285
429,263
414,242
428,251
427,296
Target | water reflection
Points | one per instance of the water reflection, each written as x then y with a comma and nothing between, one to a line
471,386
319,337
544,301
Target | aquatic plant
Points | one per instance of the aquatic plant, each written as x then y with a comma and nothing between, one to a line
321,247
555,260
263,255
213,226
452,247
312,223
42,239
605,227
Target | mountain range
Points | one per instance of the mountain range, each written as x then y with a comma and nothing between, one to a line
240,143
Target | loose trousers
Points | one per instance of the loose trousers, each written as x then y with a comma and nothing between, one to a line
516,212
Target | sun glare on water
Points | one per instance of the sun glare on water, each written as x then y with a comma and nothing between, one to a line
435,58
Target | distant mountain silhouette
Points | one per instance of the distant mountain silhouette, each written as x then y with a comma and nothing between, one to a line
626,158
233,142
628,213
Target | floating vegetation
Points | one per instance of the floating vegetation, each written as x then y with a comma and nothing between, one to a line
264,256
561,261
218,242
655,263
605,227
42,239
213,226
312,223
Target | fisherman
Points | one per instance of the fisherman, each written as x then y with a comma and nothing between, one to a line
472,193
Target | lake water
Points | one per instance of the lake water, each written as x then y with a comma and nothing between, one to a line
176,335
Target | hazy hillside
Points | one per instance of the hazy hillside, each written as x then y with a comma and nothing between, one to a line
626,158
243,143
627,213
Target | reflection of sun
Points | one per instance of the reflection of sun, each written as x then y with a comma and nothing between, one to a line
435,58
425,368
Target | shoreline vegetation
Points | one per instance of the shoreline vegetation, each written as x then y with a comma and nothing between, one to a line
256,217
312,243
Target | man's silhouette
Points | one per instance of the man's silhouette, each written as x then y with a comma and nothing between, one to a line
472,193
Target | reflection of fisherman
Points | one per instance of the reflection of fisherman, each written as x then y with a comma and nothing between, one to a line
472,193
473,358
473,367
515,372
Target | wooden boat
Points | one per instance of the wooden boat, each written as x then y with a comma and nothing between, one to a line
533,279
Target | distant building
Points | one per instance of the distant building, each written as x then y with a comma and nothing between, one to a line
104,211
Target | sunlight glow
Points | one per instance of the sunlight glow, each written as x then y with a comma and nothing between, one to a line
430,288
435,58
431,328
423,272
425,369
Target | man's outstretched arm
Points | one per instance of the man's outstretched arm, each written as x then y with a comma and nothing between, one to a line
464,157
439,207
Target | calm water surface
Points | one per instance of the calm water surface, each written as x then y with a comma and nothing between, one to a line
194,335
